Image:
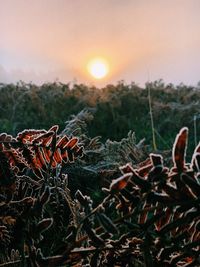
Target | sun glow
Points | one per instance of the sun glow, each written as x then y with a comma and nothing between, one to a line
98,68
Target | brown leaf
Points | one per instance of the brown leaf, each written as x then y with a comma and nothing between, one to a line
179,149
120,183
156,159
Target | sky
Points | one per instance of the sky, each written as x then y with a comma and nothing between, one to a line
53,40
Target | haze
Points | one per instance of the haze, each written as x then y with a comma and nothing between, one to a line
48,40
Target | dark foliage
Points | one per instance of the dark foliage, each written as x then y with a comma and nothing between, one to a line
148,216
119,109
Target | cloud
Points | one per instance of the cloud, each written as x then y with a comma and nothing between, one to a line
15,75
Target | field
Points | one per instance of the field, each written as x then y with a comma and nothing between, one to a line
99,177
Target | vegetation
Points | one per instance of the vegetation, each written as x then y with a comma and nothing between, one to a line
149,216
117,109
90,194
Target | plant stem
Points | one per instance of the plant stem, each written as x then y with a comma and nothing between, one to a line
151,117
195,130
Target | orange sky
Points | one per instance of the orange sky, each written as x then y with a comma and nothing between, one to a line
45,40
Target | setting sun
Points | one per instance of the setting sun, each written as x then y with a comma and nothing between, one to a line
98,68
